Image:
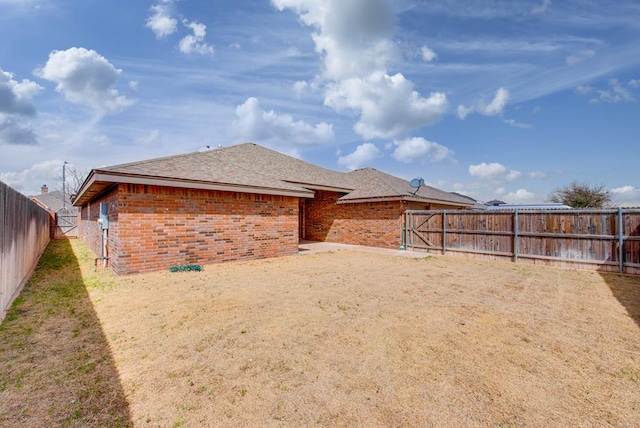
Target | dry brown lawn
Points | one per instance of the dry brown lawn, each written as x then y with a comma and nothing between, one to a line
334,339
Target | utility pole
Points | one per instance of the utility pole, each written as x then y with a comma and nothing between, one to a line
64,185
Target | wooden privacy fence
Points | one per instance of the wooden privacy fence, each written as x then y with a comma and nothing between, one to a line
24,234
607,240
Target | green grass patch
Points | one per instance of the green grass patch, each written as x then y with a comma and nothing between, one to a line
55,362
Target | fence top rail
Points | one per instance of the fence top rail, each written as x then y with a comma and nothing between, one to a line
531,211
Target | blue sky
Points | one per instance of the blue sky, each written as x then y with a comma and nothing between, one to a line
494,99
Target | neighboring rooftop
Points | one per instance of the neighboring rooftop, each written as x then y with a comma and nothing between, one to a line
51,201
511,207
255,169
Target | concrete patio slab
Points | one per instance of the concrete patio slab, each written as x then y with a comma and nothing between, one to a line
312,247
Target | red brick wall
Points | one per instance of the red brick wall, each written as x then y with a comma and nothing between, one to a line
89,230
376,224
156,227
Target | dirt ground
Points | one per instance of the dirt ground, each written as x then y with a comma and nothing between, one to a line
333,339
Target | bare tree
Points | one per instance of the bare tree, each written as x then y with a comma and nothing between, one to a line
74,178
583,195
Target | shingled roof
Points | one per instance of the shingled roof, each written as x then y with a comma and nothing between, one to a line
371,185
52,201
255,169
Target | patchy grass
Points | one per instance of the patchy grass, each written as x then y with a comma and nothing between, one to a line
56,368
341,339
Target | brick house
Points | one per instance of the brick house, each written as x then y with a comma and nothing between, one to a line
240,202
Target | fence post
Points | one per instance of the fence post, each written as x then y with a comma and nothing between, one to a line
444,232
407,216
620,241
516,241
403,233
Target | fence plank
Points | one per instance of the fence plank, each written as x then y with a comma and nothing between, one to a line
601,239
24,234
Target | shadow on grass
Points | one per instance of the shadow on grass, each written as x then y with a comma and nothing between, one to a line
56,368
626,289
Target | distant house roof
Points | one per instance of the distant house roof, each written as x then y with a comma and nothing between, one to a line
52,201
476,205
511,207
255,169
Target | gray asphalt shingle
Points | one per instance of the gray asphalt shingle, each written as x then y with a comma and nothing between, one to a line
255,166
52,201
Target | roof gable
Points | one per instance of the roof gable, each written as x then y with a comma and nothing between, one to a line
373,184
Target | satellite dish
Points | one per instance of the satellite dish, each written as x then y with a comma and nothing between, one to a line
416,183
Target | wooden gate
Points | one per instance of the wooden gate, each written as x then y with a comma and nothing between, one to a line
67,223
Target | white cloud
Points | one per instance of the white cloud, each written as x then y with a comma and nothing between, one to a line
494,108
300,87
634,83
194,43
538,175
354,36
522,196
389,106
463,111
615,94
363,155
13,133
15,97
355,41
29,180
625,190
584,89
261,126
579,57
150,138
537,9
420,150
494,172
516,124
626,196
85,77
160,21
163,24
15,101
427,54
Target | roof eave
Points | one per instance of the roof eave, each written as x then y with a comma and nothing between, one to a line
103,179
401,198
321,187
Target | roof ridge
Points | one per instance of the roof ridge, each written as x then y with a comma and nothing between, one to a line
383,177
162,158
